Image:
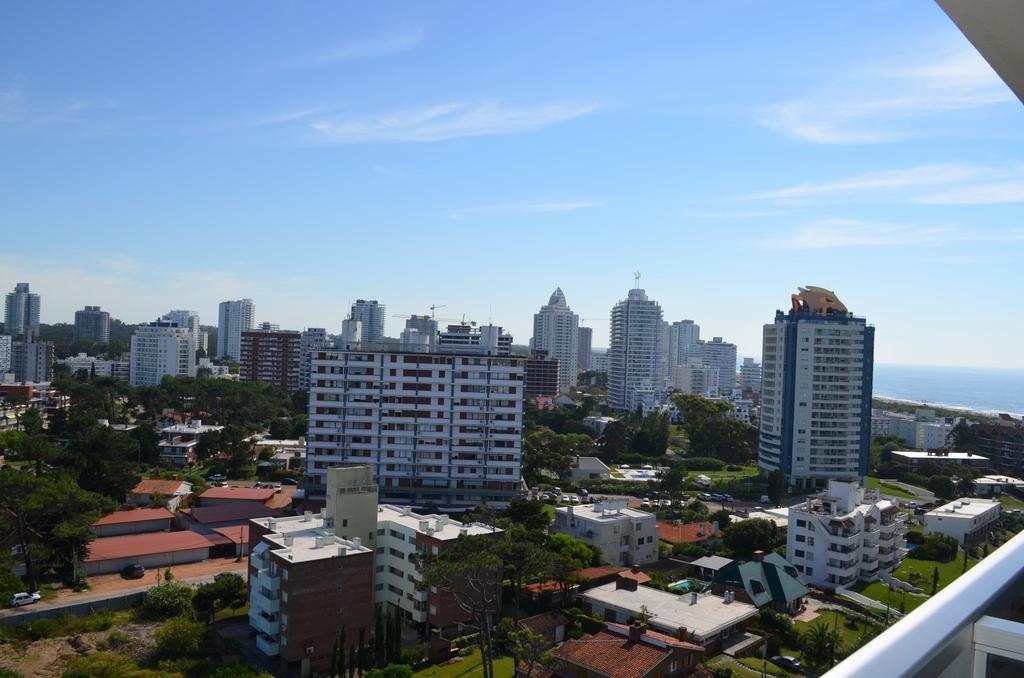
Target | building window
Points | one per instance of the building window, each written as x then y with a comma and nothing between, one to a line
809,571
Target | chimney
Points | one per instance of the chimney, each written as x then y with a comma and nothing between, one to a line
424,525
681,633
758,556
318,542
438,525
342,550
693,597
570,513
323,514
714,528
728,597
636,631
406,510
700,529
463,531
307,516
288,540
271,524
357,541
635,569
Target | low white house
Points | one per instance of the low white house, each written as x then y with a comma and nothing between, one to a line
993,486
625,536
969,521
589,468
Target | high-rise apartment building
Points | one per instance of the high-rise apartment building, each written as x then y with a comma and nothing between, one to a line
634,357
32,361
541,376
682,341
583,348
271,356
234,318
438,427
556,330
92,324
695,379
425,325
21,312
371,314
750,376
161,348
313,339
599,362
6,349
816,391
721,355
189,319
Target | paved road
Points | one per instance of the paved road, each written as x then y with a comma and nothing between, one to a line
79,599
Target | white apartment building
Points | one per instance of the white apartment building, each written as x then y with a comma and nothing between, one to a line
634,357
160,349
468,335
177,445
189,319
743,409
922,430
91,364
599,362
969,521
750,375
695,378
815,420
845,534
439,427
313,339
556,330
402,535
21,312
720,355
625,536
683,338
234,317
371,314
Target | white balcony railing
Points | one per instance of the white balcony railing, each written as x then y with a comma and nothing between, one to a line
955,632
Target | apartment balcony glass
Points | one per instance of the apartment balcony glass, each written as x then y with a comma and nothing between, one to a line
972,628
265,601
267,644
266,623
265,580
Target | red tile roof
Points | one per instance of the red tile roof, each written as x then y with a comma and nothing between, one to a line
668,640
229,512
610,654
238,534
589,573
155,486
636,575
687,533
240,493
136,516
132,545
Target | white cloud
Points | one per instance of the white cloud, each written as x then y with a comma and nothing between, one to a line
381,45
278,118
887,102
980,194
727,214
448,121
885,180
843,233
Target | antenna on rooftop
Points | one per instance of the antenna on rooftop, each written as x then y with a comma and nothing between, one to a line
636,280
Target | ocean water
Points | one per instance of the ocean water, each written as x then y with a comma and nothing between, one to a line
984,390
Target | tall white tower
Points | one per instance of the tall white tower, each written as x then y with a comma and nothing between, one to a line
634,356
235,317
556,330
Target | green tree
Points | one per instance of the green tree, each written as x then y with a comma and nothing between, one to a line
168,600
179,638
471,571
756,534
380,642
712,432
821,643
530,515
104,460
723,517
391,671
524,560
615,440
552,451
582,555
673,479
776,487
935,580
227,590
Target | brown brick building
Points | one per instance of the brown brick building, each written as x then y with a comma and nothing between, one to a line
272,357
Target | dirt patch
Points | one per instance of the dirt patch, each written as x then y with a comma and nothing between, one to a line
48,657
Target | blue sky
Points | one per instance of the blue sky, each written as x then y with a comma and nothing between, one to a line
476,155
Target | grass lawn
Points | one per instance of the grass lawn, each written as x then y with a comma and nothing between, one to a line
549,510
748,667
885,488
744,472
836,620
228,613
948,572
1010,502
877,590
468,667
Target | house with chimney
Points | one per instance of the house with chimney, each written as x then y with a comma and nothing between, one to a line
767,580
633,651
625,536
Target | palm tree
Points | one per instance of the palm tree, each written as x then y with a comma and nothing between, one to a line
821,643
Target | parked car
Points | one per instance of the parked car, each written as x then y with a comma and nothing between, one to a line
135,571
645,503
289,481
19,599
787,662
216,478
704,496
727,498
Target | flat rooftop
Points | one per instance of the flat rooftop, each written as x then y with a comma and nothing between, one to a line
605,511
443,527
999,480
945,456
667,611
313,543
967,508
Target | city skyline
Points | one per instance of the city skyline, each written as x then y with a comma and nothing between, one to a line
306,168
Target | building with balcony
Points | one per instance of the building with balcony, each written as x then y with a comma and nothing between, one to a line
635,356
541,375
913,459
92,324
440,427
1002,442
815,422
178,442
305,585
721,356
922,430
271,357
556,331
625,536
234,317
159,349
845,534
969,521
